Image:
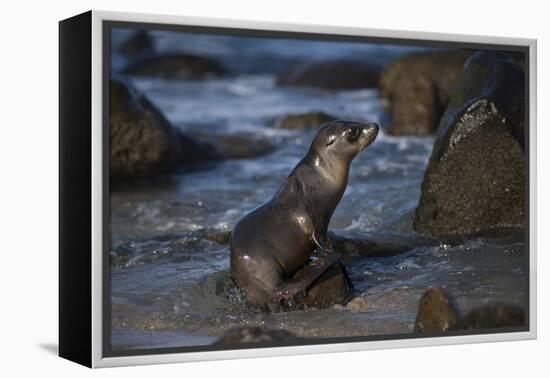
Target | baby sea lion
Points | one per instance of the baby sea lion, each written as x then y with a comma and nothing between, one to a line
271,243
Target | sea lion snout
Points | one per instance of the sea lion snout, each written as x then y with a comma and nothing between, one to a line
368,133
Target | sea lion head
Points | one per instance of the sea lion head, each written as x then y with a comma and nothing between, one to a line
341,141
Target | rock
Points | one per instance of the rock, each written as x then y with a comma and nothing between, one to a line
176,66
332,287
303,120
375,244
336,74
236,146
475,180
241,146
437,312
357,304
218,236
255,335
417,88
139,43
495,315
142,141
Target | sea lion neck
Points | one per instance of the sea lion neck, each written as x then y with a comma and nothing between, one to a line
332,170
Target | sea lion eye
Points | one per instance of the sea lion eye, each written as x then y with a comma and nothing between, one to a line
353,134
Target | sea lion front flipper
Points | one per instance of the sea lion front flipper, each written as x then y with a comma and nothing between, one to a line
291,292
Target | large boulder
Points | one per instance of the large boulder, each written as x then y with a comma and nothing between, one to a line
417,88
174,66
337,74
475,180
139,43
142,141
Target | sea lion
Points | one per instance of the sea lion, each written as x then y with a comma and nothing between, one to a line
271,243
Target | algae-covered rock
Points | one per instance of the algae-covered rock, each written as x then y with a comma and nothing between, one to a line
142,141
475,180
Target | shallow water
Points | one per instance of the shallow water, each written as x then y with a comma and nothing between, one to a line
170,287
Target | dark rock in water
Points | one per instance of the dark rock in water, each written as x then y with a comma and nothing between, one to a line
236,146
239,146
303,120
142,141
495,315
255,335
337,74
475,180
218,236
417,88
332,287
437,312
176,66
139,43
366,244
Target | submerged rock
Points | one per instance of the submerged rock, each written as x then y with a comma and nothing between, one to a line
336,74
375,244
417,88
255,335
218,236
475,180
437,312
332,287
142,141
236,146
175,66
139,43
303,120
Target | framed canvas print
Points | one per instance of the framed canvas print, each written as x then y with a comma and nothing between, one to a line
233,189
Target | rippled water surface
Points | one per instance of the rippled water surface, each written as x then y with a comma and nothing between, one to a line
170,285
